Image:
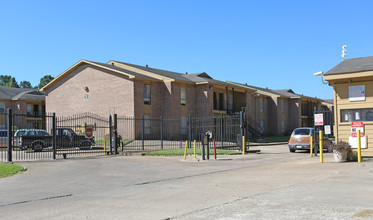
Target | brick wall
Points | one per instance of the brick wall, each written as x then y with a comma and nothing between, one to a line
108,93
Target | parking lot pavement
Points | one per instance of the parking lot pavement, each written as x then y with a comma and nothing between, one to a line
274,184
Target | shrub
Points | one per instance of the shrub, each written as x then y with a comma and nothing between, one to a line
341,146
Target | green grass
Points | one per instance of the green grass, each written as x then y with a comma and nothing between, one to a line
7,169
102,141
179,152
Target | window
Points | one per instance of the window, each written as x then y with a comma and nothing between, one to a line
183,96
361,114
147,124
304,109
302,131
147,94
221,101
183,128
261,105
2,107
215,101
29,109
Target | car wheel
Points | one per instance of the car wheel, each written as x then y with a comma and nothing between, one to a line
292,150
38,147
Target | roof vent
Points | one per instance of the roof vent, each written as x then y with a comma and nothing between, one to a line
112,64
245,83
147,66
186,73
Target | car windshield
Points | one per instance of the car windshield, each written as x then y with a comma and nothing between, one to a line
302,131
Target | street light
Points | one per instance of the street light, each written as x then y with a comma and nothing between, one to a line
321,73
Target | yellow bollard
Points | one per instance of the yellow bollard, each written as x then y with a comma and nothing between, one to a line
311,146
104,146
358,146
194,149
186,147
321,148
243,145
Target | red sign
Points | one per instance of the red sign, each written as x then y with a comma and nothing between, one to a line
88,132
319,119
355,126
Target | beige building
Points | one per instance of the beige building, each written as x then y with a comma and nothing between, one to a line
352,81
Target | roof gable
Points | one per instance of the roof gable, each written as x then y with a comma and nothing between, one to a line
128,73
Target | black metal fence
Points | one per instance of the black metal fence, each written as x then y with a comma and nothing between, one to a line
47,136
148,134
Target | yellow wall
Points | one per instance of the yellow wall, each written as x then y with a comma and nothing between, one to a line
341,101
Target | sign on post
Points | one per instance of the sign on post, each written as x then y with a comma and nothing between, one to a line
88,132
355,126
327,129
319,119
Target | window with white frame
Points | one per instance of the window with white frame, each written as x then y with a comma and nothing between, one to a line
147,124
2,107
183,127
261,105
147,94
183,96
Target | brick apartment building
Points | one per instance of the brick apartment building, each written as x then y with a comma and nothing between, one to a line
142,91
31,103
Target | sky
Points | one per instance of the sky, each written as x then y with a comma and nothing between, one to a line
274,44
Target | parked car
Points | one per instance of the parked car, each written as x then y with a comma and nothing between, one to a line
3,138
65,138
300,139
18,138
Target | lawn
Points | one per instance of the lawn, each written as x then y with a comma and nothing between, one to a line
7,169
179,152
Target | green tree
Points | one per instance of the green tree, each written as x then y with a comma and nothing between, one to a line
8,81
25,85
44,81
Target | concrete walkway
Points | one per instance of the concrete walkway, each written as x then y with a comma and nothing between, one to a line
274,184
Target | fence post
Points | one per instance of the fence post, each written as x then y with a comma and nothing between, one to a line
142,132
221,130
10,138
161,121
189,131
115,134
110,134
54,145
241,129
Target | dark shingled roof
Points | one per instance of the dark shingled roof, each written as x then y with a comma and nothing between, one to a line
352,65
165,73
125,71
10,93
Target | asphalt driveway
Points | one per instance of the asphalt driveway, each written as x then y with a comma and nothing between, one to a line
274,184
